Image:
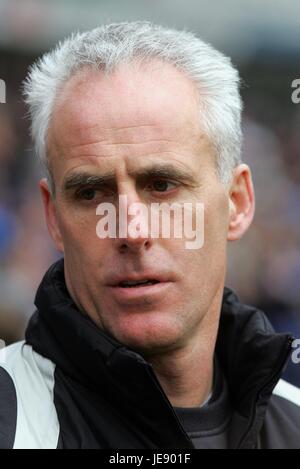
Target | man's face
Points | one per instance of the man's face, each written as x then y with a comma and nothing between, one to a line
125,127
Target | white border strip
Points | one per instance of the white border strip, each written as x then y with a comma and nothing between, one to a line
287,391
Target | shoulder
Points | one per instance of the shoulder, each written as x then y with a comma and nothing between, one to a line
27,413
281,429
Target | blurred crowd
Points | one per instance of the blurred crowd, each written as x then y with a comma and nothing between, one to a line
264,267
25,247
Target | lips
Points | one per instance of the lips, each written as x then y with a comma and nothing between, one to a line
133,289
133,293
137,283
137,279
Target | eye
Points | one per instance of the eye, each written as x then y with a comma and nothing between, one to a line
93,193
162,185
86,194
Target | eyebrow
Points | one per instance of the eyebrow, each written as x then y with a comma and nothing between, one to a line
166,171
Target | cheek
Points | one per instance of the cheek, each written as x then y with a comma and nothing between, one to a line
206,265
78,231
216,221
210,224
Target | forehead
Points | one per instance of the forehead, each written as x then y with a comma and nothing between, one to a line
135,102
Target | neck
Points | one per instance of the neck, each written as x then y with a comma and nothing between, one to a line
186,374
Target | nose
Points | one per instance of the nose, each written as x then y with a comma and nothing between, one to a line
136,245
134,233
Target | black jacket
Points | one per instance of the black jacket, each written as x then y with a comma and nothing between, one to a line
70,385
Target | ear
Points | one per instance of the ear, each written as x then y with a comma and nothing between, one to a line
242,202
50,214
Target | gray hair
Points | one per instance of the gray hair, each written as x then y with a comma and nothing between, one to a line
110,45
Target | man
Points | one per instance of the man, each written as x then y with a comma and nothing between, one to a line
135,342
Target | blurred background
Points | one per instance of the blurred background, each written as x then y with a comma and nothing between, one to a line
263,40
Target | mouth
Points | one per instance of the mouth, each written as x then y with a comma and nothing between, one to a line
132,290
137,283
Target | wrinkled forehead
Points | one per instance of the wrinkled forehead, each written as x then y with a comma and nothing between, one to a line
135,101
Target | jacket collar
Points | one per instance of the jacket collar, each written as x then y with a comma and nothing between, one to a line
253,358
251,355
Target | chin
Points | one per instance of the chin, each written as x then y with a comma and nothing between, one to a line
149,338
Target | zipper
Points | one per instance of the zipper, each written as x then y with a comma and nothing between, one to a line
165,398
